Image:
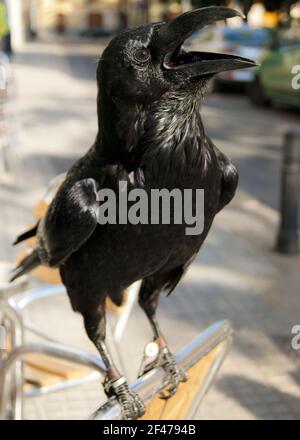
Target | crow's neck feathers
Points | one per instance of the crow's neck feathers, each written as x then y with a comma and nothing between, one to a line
170,129
174,136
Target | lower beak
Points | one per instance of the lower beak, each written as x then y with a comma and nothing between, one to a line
206,63
167,44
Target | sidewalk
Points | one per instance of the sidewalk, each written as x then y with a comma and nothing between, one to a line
236,276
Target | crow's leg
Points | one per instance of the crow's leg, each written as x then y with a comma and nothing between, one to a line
114,383
148,300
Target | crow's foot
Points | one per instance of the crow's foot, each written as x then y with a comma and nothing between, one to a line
131,404
175,373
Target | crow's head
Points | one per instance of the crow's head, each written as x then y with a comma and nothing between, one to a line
142,64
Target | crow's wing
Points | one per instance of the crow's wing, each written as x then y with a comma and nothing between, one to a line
70,220
71,217
230,176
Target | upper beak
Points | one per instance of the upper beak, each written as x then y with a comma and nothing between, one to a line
169,38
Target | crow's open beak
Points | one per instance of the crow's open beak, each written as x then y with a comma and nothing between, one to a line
174,58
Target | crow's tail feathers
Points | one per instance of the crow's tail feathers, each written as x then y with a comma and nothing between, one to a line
28,234
28,263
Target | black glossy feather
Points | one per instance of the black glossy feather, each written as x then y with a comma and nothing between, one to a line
27,264
28,234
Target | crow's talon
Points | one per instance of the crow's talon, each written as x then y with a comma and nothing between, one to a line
175,373
131,404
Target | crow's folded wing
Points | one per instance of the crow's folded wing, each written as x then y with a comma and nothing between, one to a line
70,220
229,173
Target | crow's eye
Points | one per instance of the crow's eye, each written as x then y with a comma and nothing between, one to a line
142,55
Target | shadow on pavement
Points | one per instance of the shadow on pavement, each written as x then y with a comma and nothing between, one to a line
265,402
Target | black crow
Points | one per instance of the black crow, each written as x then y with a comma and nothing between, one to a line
151,135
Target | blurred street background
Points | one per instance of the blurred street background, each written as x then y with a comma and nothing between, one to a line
48,119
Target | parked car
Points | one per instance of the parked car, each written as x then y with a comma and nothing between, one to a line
244,41
278,77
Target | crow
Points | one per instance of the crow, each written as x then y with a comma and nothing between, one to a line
150,135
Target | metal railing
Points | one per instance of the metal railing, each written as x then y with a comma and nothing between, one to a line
153,382
11,371
12,394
